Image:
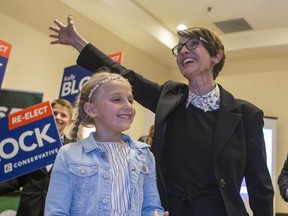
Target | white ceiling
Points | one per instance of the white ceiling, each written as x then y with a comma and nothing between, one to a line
150,25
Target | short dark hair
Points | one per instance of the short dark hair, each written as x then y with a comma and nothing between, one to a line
213,46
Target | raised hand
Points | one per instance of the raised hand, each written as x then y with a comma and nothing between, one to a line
67,34
165,213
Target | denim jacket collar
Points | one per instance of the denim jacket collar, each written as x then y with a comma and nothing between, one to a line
90,144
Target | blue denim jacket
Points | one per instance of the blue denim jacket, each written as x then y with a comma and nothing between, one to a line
80,181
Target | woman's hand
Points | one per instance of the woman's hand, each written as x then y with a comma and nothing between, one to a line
67,34
165,213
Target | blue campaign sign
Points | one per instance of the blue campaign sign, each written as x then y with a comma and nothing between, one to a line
74,77
3,63
29,140
5,49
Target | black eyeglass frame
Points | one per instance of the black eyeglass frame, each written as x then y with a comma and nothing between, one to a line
185,44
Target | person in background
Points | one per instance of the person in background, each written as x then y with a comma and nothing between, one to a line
148,138
108,173
150,135
63,114
205,140
283,181
143,138
35,184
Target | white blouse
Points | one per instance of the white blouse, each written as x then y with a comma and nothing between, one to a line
118,155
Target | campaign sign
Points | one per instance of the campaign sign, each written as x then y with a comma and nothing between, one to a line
74,77
5,49
29,140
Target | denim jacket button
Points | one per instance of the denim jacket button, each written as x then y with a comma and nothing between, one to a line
105,175
144,168
83,171
105,200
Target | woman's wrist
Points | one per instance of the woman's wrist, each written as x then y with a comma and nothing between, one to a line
79,43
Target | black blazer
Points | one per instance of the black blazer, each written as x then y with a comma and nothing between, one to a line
283,180
239,141
34,189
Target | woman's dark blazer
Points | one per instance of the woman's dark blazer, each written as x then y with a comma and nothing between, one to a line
283,180
239,141
34,189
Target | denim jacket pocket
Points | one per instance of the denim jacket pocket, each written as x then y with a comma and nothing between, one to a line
83,178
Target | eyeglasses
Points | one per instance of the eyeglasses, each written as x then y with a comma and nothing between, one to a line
190,45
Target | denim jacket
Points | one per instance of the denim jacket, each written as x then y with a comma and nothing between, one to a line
80,182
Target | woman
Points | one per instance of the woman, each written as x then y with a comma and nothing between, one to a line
205,140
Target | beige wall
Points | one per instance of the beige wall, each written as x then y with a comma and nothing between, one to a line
35,65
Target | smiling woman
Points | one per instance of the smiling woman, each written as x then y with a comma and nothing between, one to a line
196,161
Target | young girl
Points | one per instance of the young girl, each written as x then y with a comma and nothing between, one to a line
108,173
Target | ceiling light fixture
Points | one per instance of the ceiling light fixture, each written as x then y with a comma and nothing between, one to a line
181,27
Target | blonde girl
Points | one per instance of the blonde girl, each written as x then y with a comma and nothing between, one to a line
108,173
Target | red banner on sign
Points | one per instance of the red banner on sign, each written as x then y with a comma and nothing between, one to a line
117,57
5,49
28,115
